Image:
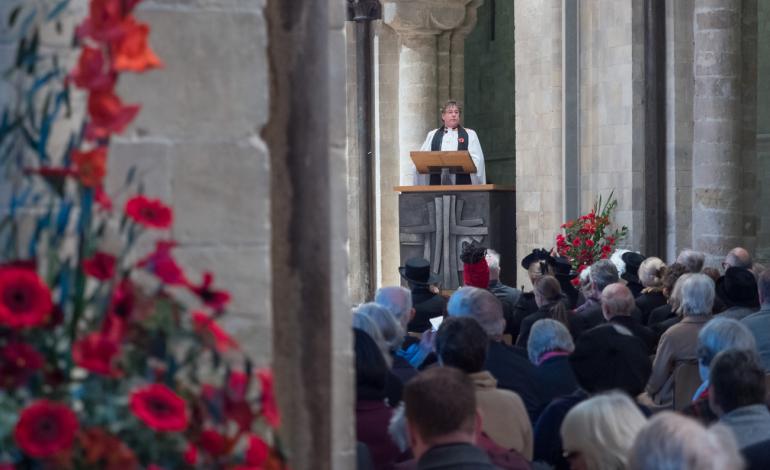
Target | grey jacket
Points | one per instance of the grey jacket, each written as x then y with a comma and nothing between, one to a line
750,424
759,324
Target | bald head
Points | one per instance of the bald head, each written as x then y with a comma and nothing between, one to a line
738,258
617,300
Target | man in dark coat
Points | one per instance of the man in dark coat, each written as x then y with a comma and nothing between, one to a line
509,296
602,274
617,305
425,302
441,440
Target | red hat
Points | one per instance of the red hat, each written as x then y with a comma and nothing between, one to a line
475,267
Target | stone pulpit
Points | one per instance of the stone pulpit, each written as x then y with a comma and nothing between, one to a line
436,222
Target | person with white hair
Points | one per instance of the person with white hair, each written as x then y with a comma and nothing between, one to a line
720,334
398,300
692,260
548,347
598,433
679,343
651,273
670,441
508,295
506,364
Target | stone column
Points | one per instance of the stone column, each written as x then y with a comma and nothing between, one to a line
717,213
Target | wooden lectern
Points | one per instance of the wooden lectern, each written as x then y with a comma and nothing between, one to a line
443,163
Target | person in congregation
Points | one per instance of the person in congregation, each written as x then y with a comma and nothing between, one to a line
633,261
759,322
601,274
668,312
509,296
692,260
719,334
442,440
427,304
671,441
599,432
738,257
366,324
737,395
507,364
548,348
617,305
398,301
451,136
679,343
462,343
737,289
651,273
538,263
551,304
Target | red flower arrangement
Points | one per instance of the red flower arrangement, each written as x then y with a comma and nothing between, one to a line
86,329
46,429
590,237
25,300
159,408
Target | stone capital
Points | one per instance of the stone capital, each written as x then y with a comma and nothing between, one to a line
424,17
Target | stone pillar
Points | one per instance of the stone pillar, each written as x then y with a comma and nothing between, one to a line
413,98
717,211
305,135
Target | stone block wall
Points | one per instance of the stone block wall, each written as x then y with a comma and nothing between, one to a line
611,110
490,89
197,140
763,133
538,104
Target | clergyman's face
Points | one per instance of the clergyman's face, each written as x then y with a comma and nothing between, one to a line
451,117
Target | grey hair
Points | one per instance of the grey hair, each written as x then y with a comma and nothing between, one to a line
391,330
692,260
603,429
481,305
721,334
739,257
398,300
697,295
493,259
603,273
671,441
366,324
548,335
651,272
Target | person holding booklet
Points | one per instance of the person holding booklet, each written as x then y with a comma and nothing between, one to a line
451,136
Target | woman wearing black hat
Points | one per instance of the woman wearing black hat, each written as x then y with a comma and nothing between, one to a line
551,304
538,263
426,304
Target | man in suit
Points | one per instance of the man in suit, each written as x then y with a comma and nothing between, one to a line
450,137
759,322
617,305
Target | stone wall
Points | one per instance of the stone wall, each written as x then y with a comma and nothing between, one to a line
490,89
763,133
611,111
538,104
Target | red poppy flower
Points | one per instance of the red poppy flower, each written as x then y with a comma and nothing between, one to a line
105,19
461,140
208,328
151,213
45,429
269,405
102,198
132,51
159,408
606,249
161,263
97,353
236,407
590,243
25,300
108,114
216,299
576,242
91,166
213,443
257,452
92,71
18,362
123,299
190,455
100,266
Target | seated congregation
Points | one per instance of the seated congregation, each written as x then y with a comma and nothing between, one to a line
633,364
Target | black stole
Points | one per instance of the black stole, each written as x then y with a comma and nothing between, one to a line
462,144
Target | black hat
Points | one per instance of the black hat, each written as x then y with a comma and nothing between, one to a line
562,268
738,287
538,254
605,359
633,262
417,270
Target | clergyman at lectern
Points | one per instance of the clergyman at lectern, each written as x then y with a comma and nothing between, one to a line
451,137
